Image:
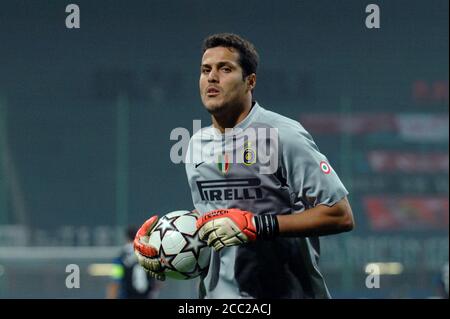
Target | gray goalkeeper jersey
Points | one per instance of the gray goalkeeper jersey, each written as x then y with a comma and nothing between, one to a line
267,164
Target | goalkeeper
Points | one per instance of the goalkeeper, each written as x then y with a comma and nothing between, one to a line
264,226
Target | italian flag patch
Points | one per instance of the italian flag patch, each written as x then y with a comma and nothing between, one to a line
223,163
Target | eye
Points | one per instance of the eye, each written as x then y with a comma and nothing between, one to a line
226,69
205,71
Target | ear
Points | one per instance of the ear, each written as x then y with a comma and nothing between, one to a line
251,81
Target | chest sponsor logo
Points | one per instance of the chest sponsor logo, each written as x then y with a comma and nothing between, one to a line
230,189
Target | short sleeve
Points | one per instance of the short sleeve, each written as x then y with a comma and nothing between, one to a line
307,171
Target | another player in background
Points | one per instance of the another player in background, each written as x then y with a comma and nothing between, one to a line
264,226
443,281
129,280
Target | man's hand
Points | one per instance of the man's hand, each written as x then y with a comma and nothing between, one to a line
147,255
230,227
226,227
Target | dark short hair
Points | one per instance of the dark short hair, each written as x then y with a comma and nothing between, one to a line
248,57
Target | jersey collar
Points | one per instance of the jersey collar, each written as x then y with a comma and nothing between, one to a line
244,123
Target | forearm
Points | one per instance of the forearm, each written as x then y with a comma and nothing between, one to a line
318,221
233,226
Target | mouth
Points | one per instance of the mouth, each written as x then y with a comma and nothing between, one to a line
212,91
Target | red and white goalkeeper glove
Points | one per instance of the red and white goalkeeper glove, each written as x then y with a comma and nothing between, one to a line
230,227
146,254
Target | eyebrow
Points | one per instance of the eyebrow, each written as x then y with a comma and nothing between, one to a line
219,64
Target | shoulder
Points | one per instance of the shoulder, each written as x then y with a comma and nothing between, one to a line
289,130
203,133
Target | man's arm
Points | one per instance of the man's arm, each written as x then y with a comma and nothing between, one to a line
318,221
229,227
308,173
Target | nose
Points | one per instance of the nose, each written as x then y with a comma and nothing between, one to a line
213,77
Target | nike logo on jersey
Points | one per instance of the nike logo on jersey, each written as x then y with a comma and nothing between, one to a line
198,164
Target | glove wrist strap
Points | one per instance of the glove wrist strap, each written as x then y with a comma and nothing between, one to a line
266,226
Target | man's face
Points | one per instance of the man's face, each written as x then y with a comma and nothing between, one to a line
221,83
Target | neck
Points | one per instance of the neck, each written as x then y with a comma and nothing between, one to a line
232,118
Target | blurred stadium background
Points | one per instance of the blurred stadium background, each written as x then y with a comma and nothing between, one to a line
86,115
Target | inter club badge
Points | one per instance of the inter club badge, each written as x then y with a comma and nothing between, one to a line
249,155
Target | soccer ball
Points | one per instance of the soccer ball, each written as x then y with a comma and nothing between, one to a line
182,253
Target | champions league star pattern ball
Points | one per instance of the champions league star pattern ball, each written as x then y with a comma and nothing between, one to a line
182,253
